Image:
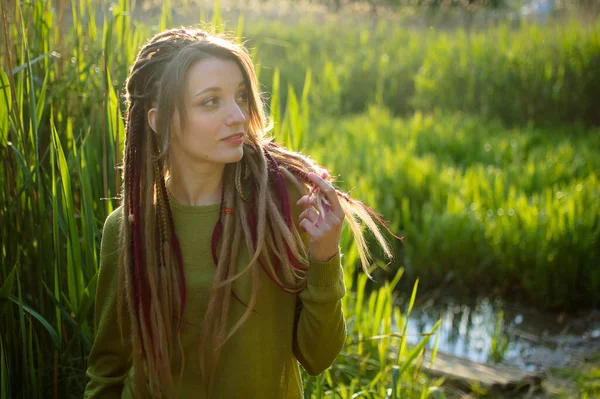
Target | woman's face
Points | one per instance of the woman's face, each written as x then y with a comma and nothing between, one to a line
217,114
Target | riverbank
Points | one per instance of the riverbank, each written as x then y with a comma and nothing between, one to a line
491,348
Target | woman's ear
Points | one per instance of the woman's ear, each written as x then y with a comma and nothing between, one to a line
152,114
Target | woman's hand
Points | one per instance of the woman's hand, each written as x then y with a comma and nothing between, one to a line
324,228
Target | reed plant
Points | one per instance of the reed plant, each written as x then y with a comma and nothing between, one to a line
376,361
62,134
499,340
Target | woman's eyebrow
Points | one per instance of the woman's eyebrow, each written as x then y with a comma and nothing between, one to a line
214,88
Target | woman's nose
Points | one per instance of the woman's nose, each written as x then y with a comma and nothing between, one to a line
237,115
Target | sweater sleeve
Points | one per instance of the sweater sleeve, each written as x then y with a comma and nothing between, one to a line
109,361
320,329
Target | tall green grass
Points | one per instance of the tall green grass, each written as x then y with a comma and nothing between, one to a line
541,74
511,210
61,137
60,141
375,361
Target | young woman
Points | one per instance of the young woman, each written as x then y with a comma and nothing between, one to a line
220,271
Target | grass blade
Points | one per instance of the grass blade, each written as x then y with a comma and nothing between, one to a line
417,349
217,20
55,228
239,29
166,20
291,120
274,106
435,347
6,288
74,272
410,307
5,106
4,375
25,308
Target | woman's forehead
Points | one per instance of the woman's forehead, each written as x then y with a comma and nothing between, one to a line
214,74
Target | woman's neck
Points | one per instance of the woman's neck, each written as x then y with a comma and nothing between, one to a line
197,186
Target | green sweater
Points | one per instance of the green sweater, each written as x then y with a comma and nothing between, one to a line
261,359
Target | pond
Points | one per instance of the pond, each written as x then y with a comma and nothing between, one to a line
535,341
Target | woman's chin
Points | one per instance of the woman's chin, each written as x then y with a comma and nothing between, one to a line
235,155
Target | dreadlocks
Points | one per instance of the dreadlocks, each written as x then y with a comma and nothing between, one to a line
151,273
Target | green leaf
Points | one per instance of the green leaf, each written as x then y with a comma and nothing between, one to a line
77,325
412,298
6,288
34,61
395,381
410,306
397,278
88,221
292,120
39,318
55,227
239,29
274,106
435,348
41,101
30,351
74,272
3,373
417,349
217,20
5,106
304,111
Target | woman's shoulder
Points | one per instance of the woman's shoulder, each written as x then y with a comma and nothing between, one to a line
112,224
110,236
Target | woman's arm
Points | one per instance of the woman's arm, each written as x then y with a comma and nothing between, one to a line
320,329
109,361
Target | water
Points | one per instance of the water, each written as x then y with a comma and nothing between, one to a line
536,340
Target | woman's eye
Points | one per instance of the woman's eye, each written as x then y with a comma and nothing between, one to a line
243,97
211,102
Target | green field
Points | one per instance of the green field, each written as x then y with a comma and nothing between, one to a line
512,210
481,149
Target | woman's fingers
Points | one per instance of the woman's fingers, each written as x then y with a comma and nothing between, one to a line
322,219
325,224
311,215
313,230
330,194
307,200
332,219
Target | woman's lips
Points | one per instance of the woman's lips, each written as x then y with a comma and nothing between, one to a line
235,139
